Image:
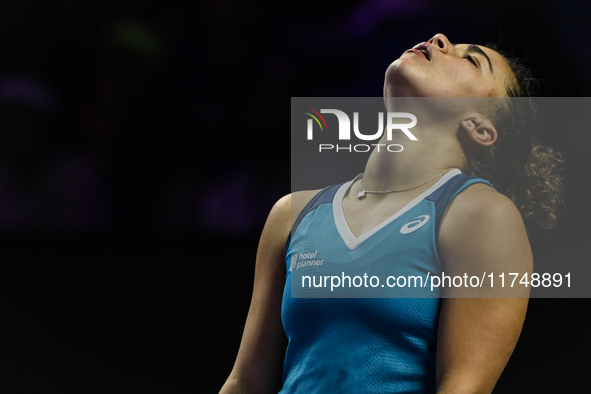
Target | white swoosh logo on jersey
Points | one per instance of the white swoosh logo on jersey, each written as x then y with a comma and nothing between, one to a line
415,224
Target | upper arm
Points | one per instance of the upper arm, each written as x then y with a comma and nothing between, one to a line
482,233
259,362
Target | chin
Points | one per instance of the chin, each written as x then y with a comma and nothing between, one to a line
402,80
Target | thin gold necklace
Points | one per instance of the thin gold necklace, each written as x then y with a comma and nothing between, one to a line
363,192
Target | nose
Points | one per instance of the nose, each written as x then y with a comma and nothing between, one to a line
440,41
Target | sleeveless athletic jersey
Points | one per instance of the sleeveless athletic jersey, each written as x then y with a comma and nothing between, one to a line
365,345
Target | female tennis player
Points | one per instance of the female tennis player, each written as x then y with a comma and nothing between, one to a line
430,209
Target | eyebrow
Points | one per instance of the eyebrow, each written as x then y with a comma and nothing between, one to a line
476,49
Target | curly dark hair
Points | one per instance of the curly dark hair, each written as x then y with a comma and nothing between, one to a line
518,165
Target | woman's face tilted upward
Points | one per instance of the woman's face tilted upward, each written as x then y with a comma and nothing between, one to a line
438,68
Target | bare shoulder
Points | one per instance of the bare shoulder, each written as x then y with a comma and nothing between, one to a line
298,201
483,227
481,203
285,212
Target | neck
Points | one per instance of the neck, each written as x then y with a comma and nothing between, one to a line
434,152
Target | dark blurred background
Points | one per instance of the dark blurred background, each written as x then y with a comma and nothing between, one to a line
143,143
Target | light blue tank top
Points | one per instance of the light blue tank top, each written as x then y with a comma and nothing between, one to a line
364,345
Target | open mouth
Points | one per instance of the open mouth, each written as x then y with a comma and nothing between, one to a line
425,49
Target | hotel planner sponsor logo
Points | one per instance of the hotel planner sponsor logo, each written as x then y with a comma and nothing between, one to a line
304,260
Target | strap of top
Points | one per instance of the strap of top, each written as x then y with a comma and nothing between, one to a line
324,196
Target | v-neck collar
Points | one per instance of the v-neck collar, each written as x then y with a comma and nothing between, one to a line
343,227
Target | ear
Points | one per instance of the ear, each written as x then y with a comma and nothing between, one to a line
480,130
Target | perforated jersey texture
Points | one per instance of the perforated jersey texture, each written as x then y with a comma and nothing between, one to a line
364,345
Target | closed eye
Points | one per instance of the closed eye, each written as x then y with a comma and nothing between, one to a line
470,59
